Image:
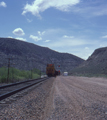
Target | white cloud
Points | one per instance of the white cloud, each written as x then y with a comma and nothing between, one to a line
86,48
104,36
102,45
19,32
91,8
65,36
47,40
74,46
64,41
22,39
29,20
10,37
35,38
41,5
41,33
18,38
68,43
100,10
3,4
39,37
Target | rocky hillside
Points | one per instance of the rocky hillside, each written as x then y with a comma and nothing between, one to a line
95,64
27,56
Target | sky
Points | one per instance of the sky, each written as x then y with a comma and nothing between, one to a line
77,27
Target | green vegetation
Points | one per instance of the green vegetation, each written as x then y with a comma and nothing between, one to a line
17,75
90,71
89,75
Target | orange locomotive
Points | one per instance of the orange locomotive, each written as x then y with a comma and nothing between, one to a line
50,70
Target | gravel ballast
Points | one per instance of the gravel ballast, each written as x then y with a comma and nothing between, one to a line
29,107
61,98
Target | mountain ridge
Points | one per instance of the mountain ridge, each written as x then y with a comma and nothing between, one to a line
28,55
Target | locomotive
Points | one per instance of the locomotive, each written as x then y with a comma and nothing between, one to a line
50,71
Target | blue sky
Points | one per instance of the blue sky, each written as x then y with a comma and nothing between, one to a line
70,26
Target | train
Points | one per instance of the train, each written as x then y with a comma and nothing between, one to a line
50,71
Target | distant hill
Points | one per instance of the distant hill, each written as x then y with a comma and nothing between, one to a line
27,56
95,64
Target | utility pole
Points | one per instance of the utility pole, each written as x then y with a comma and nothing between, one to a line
40,73
8,70
31,73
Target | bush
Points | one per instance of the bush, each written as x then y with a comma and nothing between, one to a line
16,74
3,79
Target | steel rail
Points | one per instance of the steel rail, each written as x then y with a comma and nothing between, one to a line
3,96
17,83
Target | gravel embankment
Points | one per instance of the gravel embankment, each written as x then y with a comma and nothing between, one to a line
29,107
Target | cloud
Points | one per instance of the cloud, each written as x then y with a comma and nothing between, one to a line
29,20
18,38
54,33
3,4
63,41
10,37
22,39
65,36
41,5
41,33
91,8
104,36
100,10
19,32
102,45
47,40
86,48
68,43
35,38
74,46
39,37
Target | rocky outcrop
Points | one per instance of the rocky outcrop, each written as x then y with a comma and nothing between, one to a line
95,64
26,56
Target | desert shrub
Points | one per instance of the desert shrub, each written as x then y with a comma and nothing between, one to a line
16,74
3,79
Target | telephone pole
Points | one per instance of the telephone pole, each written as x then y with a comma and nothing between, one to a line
8,70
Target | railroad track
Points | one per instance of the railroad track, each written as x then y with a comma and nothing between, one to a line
10,89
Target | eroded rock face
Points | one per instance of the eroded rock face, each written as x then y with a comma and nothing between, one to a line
96,63
27,56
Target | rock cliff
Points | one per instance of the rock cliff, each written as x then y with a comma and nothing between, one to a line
95,64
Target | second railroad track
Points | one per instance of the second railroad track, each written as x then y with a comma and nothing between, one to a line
10,89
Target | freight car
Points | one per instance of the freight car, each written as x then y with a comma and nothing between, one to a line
57,72
50,71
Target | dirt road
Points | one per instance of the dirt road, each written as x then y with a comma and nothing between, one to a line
60,98
77,98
